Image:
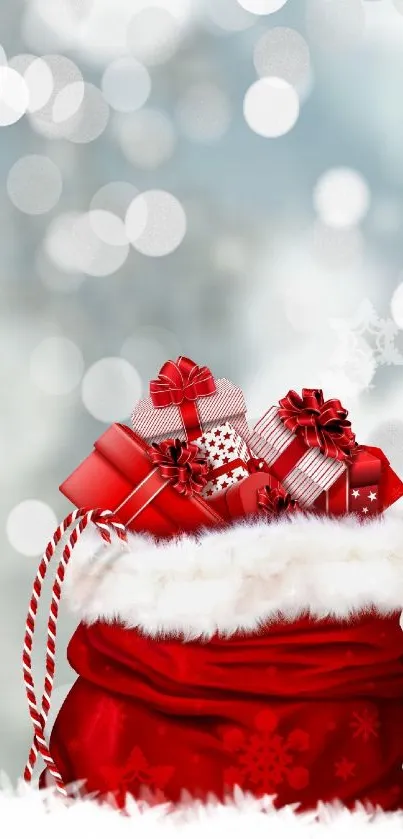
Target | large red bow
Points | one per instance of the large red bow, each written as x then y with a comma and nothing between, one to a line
179,381
181,464
321,424
275,501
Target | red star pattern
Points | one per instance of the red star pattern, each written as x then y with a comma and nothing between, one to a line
222,445
344,769
136,774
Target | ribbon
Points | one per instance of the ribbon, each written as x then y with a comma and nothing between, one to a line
253,465
181,464
181,383
276,500
320,424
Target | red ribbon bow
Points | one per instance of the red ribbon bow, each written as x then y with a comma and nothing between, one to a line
181,380
321,424
181,383
276,500
181,464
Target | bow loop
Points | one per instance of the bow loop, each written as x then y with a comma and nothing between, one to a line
182,464
256,464
179,381
321,424
276,501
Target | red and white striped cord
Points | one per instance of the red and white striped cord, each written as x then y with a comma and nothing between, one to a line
105,522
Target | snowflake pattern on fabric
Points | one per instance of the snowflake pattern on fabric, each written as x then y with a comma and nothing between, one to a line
266,759
365,724
139,774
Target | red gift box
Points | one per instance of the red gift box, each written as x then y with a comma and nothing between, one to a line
367,487
302,453
185,401
120,476
242,499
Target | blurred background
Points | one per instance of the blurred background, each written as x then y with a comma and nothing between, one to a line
217,178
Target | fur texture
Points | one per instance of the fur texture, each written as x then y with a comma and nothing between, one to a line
26,812
241,577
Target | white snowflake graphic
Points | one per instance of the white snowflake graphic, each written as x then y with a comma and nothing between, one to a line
365,724
370,335
265,759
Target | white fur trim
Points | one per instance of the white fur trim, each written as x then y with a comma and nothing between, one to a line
41,815
241,577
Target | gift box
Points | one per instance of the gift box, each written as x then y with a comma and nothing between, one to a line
257,494
227,455
367,487
310,447
306,443
120,475
186,401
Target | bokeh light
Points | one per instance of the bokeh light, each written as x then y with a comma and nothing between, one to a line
110,389
91,118
396,305
59,243
262,7
204,112
56,365
230,254
34,184
147,137
271,107
37,76
66,96
30,525
73,243
335,24
115,197
126,84
227,15
109,228
283,52
341,197
155,223
95,256
336,248
14,96
67,101
153,35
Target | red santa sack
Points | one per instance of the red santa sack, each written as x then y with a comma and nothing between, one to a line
268,656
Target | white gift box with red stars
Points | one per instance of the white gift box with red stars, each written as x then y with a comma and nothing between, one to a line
227,455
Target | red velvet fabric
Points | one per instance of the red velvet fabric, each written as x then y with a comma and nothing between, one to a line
307,711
